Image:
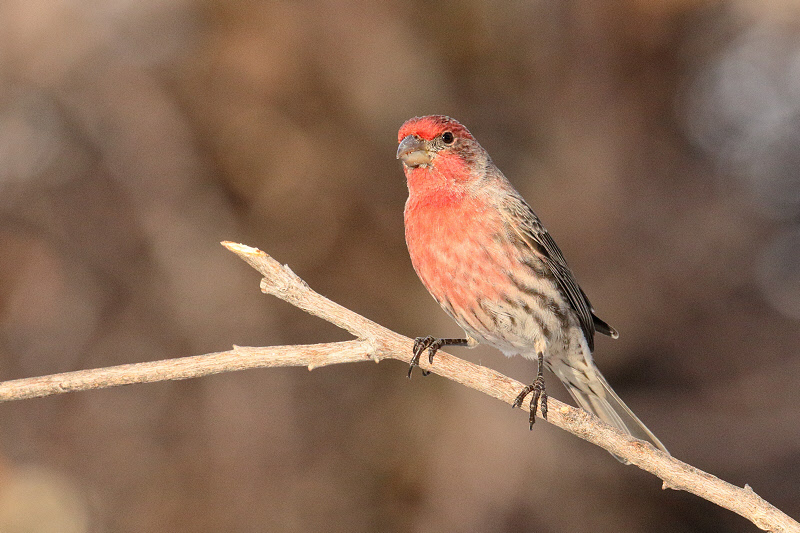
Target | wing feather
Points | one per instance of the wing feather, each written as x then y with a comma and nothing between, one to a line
531,231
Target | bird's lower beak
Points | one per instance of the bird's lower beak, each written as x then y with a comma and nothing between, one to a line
413,152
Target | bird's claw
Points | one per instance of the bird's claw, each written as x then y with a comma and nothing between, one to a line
539,393
432,344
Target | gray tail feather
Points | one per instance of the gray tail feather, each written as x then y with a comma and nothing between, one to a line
593,393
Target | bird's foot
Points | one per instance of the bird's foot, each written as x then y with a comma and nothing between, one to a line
539,393
432,344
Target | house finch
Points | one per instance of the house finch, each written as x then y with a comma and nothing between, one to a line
483,254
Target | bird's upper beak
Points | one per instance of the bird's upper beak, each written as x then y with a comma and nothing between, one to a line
413,152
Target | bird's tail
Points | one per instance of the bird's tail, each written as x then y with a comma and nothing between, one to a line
593,393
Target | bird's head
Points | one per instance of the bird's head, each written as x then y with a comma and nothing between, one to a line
423,139
440,144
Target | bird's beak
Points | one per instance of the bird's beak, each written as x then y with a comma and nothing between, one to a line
413,152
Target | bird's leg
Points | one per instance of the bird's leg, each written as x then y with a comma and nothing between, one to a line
432,344
538,390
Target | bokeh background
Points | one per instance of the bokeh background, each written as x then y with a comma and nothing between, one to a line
658,140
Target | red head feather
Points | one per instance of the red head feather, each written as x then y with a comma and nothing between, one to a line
429,127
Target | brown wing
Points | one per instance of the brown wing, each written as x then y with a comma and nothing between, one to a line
532,232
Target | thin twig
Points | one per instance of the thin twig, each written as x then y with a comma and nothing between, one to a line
240,358
374,342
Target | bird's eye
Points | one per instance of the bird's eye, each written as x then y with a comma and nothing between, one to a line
448,137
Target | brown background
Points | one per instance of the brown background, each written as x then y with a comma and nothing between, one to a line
658,141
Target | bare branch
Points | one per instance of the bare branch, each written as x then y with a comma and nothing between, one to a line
283,283
240,358
374,342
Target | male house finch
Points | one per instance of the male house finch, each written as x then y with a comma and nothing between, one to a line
483,254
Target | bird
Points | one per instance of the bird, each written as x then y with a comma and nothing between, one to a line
486,258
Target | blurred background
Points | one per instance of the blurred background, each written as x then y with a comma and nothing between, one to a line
659,141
